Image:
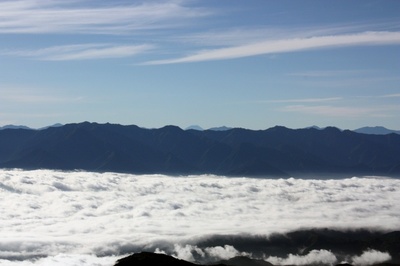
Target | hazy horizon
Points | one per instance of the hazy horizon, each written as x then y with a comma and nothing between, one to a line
193,126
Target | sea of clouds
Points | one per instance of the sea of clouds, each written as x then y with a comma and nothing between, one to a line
85,218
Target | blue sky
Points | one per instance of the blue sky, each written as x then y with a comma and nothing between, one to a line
252,64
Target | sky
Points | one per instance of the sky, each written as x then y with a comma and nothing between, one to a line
84,218
251,64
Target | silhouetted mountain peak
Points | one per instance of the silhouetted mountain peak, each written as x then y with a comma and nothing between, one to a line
171,128
194,127
278,128
147,259
332,129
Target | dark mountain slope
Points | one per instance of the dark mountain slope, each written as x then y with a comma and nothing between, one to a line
318,151
276,151
245,261
147,259
343,244
92,147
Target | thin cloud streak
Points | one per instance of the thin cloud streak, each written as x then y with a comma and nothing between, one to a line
33,17
81,52
288,45
395,95
330,73
246,35
341,111
326,110
308,100
33,96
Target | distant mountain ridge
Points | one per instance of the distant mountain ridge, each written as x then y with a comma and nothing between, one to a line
14,127
376,130
25,127
278,151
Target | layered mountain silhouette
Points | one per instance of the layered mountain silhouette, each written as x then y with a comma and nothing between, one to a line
277,151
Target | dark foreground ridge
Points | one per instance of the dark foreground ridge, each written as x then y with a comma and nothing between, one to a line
153,259
345,247
147,258
278,151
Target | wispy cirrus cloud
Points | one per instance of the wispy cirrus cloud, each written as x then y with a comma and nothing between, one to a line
16,95
236,36
342,111
394,95
304,100
81,52
148,20
50,16
381,96
326,110
288,45
340,107
330,73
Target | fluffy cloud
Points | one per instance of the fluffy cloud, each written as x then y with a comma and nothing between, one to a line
47,213
209,254
317,257
370,257
224,253
326,257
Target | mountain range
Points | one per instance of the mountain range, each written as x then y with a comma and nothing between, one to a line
377,130
277,151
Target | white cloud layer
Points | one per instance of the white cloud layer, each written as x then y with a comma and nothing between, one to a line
65,260
317,257
326,257
69,214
